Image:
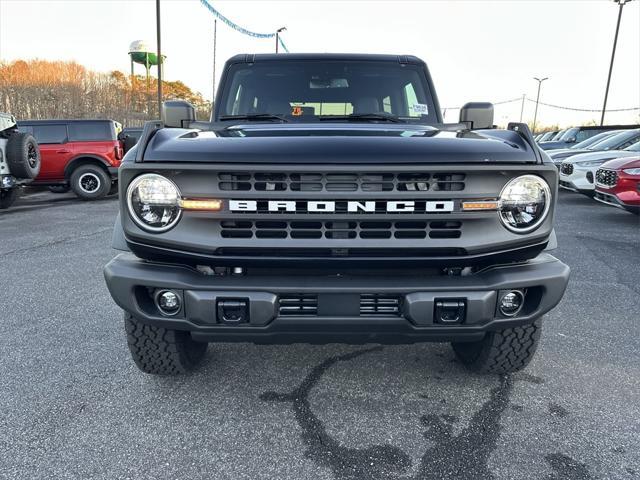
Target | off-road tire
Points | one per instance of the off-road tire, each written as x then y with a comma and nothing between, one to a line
502,351
23,155
90,182
161,351
59,188
8,197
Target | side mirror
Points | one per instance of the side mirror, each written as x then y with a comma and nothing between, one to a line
178,113
477,115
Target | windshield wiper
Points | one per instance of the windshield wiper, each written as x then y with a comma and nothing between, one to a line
254,116
363,116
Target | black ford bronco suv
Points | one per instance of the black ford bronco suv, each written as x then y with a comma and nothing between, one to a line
326,201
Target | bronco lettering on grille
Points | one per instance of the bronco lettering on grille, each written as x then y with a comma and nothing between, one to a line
315,206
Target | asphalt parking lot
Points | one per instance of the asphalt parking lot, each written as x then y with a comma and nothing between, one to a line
73,405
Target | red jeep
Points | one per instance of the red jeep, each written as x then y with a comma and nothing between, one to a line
81,155
618,184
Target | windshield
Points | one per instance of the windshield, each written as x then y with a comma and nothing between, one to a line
618,141
309,90
593,140
571,132
558,135
633,148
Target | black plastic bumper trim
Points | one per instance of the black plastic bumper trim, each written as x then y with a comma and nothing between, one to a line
126,276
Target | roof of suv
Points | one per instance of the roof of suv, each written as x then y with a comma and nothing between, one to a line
266,57
62,122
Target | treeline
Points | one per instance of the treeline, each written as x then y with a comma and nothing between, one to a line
39,89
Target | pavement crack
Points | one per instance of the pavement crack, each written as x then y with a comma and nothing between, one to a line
465,455
566,468
58,241
372,463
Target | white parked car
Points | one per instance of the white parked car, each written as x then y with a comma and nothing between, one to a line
577,173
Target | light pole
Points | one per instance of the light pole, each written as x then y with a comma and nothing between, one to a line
215,33
159,53
535,115
281,29
613,54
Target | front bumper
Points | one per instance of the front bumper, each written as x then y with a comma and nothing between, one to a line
339,316
580,180
631,204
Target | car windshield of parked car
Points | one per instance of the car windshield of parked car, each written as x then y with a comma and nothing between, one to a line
558,135
571,132
593,140
307,91
618,141
634,147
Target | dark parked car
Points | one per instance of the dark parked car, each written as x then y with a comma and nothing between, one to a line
578,134
590,144
81,155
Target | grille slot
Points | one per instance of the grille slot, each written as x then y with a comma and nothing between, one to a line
340,182
566,168
341,230
293,304
377,304
607,178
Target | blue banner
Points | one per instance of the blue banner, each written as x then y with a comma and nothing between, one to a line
238,28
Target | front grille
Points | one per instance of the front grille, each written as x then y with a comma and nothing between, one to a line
375,304
340,182
606,178
566,168
305,305
340,230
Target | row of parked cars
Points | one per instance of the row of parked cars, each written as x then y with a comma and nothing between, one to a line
604,164
78,155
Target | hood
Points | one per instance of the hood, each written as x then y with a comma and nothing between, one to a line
602,155
620,163
566,152
337,143
553,145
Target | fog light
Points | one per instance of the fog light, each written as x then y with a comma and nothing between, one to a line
168,302
511,303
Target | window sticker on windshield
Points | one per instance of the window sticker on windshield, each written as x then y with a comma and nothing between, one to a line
420,108
296,111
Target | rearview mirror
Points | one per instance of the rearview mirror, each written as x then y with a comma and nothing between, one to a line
477,115
178,113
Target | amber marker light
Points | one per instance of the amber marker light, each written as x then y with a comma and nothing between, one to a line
475,206
207,204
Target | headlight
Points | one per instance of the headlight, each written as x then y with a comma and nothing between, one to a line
154,202
631,171
591,163
524,203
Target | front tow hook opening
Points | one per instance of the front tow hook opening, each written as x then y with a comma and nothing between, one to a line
449,312
233,311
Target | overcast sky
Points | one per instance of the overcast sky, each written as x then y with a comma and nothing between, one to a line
476,50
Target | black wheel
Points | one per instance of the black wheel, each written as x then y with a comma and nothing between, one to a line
90,182
161,351
7,197
23,155
59,188
502,351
